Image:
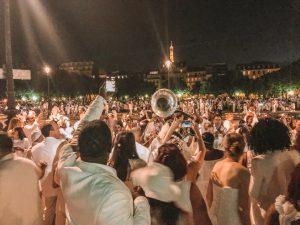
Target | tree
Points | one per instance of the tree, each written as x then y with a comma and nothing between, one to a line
134,86
196,88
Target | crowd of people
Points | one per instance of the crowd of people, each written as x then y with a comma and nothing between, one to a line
115,163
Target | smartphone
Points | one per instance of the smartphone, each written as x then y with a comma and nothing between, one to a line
186,124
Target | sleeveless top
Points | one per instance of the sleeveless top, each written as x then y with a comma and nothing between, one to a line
223,204
204,176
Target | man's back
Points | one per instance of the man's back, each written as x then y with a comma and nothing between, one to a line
46,151
19,193
93,193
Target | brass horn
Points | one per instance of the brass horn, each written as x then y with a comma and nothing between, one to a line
164,102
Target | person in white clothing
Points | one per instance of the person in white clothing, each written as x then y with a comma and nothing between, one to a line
20,202
143,152
92,191
286,209
227,192
46,151
271,166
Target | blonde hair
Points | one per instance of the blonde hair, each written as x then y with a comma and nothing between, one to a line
13,123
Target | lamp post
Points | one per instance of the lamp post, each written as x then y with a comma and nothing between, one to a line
168,64
8,61
47,70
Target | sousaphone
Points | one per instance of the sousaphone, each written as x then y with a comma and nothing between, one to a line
164,102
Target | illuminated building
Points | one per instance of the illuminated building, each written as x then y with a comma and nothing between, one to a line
257,69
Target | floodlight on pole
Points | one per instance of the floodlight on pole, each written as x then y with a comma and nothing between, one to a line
47,70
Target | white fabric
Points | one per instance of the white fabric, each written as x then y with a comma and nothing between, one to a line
29,129
184,201
224,208
144,153
24,145
270,176
94,195
157,182
204,176
286,210
92,113
46,151
20,203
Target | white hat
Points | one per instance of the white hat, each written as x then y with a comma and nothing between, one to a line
35,135
157,182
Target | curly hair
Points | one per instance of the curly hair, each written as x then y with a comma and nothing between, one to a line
269,135
171,156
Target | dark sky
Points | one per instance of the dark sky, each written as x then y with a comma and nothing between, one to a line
134,34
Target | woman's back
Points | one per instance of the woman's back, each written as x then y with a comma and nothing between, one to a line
227,193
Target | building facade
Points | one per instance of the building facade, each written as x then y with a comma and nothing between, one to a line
257,69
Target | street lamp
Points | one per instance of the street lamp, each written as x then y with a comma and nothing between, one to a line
168,64
47,70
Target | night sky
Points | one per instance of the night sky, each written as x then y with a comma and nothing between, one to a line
135,34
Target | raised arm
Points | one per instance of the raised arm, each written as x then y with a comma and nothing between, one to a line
174,126
196,164
93,112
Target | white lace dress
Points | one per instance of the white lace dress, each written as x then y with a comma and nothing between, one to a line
224,206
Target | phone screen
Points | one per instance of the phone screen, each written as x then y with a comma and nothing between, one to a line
186,123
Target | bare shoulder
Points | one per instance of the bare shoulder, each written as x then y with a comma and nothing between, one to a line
239,173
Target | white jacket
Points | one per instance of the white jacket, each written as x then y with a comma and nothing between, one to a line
94,194
20,202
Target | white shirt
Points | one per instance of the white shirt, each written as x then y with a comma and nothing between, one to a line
20,201
270,176
144,153
46,151
94,194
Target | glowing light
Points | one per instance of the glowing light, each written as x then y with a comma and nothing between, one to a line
80,97
24,98
53,99
47,69
168,64
291,92
179,95
126,96
146,95
34,97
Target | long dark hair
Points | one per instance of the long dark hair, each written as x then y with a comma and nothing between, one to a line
124,149
21,133
167,213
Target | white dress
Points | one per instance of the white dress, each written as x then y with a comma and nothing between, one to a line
204,176
224,208
184,202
